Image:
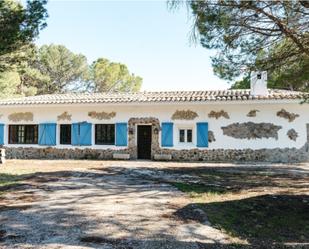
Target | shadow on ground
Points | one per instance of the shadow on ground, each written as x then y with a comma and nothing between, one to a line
282,216
240,178
269,219
64,208
110,208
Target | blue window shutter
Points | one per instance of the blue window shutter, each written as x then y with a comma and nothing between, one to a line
50,138
167,135
1,134
42,134
75,134
202,134
47,134
85,133
121,134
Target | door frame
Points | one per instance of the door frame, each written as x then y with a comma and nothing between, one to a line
150,127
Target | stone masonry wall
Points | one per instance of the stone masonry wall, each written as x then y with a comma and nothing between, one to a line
251,130
55,153
155,124
277,155
211,155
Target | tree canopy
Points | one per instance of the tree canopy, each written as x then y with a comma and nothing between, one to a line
109,76
63,69
28,70
55,69
9,82
292,75
253,35
19,26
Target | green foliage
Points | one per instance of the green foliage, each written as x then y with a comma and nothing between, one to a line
108,76
9,82
195,190
63,69
55,69
22,78
18,27
8,179
242,84
26,70
29,76
293,74
265,221
253,35
11,85
270,218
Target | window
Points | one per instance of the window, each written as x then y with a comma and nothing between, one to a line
23,134
185,135
105,134
189,136
65,134
182,136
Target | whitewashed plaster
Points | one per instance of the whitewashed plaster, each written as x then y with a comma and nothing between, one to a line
237,112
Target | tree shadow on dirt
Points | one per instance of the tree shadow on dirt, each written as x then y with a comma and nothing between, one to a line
239,178
40,221
63,208
265,219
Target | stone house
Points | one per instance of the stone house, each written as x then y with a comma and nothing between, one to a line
257,124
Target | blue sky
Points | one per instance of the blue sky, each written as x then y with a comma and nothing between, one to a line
151,40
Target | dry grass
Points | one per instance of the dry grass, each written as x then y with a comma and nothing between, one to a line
263,205
20,167
15,172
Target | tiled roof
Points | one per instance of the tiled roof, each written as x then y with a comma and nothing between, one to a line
152,97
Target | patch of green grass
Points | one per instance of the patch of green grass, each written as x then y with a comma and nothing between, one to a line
280,218
235,201
198,190
7,180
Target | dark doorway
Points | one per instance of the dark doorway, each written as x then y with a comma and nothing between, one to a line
144,141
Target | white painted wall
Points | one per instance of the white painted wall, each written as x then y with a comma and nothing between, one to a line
236,111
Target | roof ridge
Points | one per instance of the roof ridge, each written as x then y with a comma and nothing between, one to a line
155,96
152,92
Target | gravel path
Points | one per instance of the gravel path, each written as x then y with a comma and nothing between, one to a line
99,208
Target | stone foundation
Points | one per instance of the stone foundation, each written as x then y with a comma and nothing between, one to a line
54,153
277,155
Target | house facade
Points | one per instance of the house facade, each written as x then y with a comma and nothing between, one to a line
228,125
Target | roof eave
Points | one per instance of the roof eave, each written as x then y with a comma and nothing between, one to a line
208,102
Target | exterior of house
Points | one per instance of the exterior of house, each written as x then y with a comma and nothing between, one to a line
229,125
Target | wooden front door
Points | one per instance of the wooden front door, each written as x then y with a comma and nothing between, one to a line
144,142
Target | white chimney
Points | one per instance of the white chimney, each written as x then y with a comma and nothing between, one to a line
258,83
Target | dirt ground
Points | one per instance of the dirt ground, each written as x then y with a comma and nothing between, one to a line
111,204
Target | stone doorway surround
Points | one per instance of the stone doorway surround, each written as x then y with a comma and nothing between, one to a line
132,131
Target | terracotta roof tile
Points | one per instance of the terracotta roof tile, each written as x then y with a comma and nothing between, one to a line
152,97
